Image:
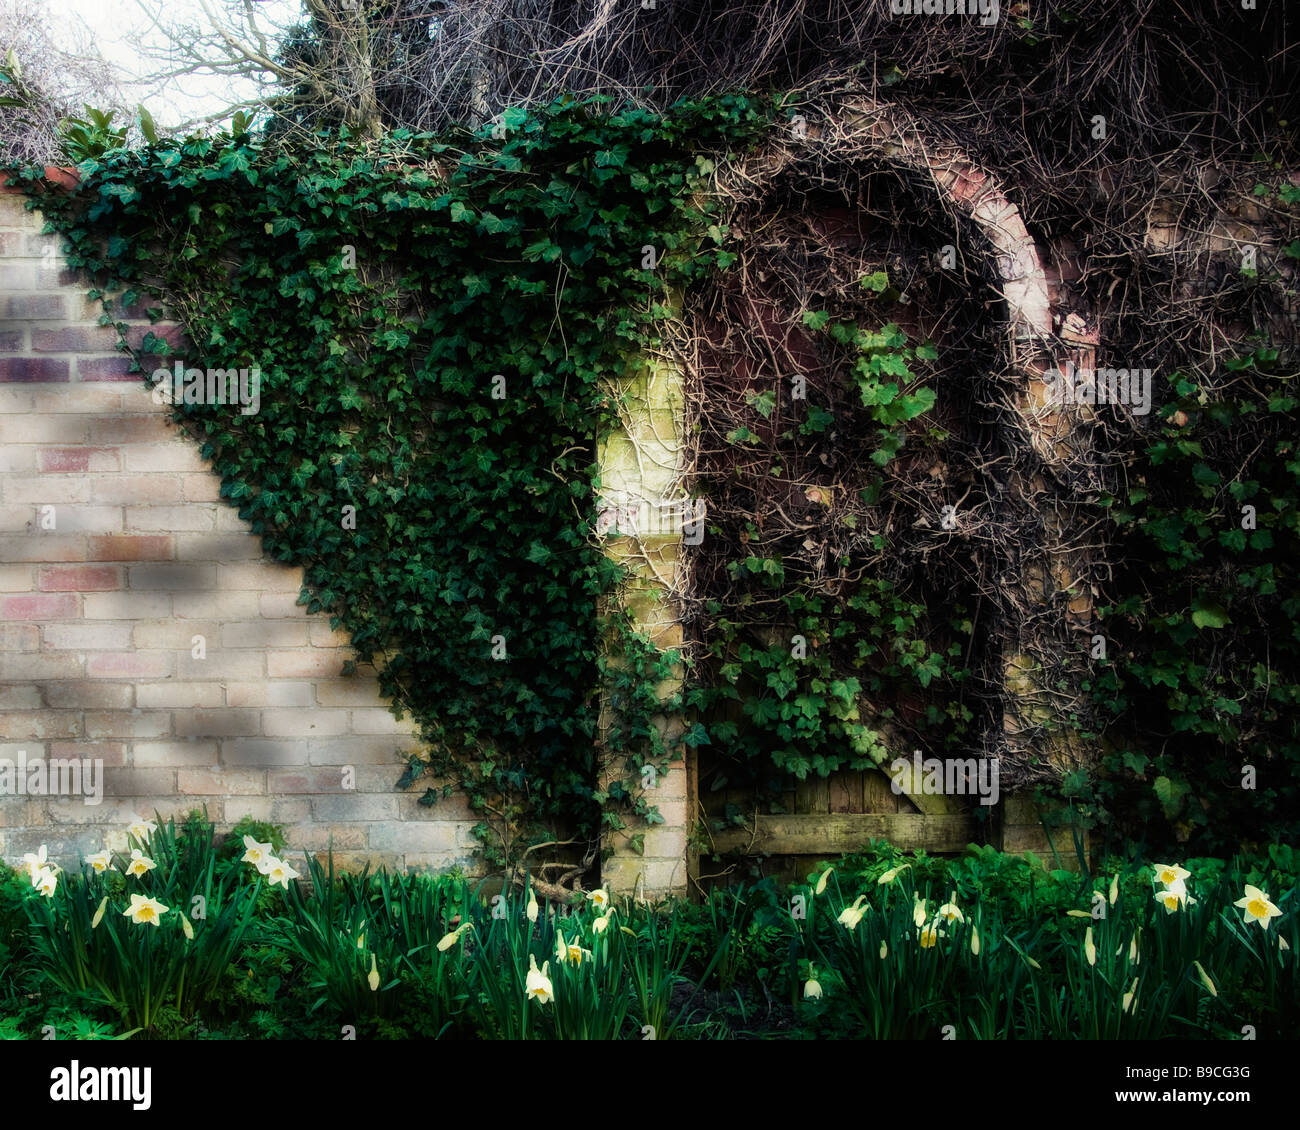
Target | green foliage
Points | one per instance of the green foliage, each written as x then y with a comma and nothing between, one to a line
1203,679
437,322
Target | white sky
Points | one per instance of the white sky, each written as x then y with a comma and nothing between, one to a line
121,29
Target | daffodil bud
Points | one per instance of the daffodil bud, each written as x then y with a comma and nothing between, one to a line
373,979
186,928
974,941
1205,979
99,914
1089,949
821,883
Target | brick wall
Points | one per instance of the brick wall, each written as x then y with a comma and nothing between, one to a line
115,553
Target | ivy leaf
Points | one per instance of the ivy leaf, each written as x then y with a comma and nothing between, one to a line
1209,614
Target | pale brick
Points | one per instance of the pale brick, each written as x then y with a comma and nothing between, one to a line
170,519
46,490
306,780
177,635
40,725
263,576
126,605
218,547
127,490
179,695
122,547
40,545
110,753
17,459
276,605
291,810
248,694
289,694
265,634
321,838
129,665
380,721
358,750
270,752
133,723
20,637
20,698
89,696
221,664
90,402
303,664
303,723
73,518
201,488
406,836
222,782
132,782
221,723
179,754
187,577
46,430
154,427
323,636
25,667
252,807
215,605
229,521
177,456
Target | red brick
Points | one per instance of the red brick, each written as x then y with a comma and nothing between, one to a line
75,339
80,578
111,665
32,369
40,607
34,307
11,341
131,547
168,331
105,369
55,459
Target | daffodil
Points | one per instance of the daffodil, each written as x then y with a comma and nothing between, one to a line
538,985
186,928
850,916
812,990
1077,914
531,910
144,910
1169,873
35,862
629,933
919,914
974,941
950,913
930,935
254,852
1205,979
1089,949
45,881
141,829
101,861
99,914
1282,943
1172,899
1133,956
892,874
1257,907
599,925
1128,997
599,898
821,883
140,864
280,873
1114,889
449,940
373,978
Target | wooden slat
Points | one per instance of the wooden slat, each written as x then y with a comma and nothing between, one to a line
841,792
833,835
877,796
933,804
819,793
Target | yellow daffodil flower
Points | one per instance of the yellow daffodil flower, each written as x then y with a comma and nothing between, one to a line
141,829
35,862
279,872
45,881
254,852
99,914
373,978
1089,949
599,898
930,935
538,985
1172,899
140,864
892,874
950,913
1169,873
812,990
144,910
1257,907
850,916
821,883
101,861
